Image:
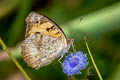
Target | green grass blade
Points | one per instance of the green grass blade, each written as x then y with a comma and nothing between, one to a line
94,64
14,59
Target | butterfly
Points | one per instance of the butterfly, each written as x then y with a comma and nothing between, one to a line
44,41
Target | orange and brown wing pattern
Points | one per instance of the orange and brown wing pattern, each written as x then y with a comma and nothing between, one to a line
38,23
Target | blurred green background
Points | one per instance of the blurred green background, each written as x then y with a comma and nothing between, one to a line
100,23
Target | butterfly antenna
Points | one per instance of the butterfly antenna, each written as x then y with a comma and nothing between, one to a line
73,45
76,25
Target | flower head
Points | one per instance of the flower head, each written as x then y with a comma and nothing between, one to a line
74,63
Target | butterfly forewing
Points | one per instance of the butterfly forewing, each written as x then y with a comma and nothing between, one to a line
40,23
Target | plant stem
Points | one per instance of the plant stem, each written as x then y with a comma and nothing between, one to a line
14,59
94,64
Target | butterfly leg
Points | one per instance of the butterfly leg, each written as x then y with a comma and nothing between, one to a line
73,58
60,59
73,47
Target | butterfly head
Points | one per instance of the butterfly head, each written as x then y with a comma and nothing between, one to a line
70,41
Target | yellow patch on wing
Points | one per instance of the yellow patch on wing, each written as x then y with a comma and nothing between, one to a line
42,28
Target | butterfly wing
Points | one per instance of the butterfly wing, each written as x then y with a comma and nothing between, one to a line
44,42
41,23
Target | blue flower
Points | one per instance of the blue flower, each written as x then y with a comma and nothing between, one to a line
74,63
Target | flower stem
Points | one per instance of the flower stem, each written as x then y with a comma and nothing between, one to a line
14,59
94,64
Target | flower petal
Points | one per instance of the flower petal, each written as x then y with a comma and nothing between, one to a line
74,66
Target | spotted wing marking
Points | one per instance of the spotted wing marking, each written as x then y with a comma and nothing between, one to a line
40,50
40,23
